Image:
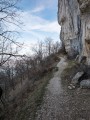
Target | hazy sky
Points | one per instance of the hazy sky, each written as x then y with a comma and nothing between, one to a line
40,21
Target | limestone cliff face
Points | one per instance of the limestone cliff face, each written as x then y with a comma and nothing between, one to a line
74,18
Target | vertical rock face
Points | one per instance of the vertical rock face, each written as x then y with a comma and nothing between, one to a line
74,18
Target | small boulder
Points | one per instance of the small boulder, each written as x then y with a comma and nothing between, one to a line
85,83
76,78
71,86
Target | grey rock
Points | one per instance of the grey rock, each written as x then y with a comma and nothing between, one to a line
85,83
76,78
74,19
69,19
71,86
77,58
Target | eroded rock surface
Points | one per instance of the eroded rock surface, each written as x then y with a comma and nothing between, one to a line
76,78
74,18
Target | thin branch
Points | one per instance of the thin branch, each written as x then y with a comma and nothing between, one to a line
11,54
16,43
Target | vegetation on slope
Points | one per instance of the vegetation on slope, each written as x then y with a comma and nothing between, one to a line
34,100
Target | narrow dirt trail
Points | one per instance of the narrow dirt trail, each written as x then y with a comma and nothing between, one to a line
60,103
51,105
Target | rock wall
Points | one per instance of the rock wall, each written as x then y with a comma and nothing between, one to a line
74,18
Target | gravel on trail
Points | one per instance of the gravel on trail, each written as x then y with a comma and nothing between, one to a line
60,103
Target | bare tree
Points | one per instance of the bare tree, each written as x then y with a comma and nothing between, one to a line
55,47
8,19
38,51
48,43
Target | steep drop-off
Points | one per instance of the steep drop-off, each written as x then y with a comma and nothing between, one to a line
74,18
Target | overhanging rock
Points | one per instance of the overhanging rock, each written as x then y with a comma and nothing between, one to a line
74,18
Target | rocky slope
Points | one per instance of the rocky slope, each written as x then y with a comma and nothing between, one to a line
74,18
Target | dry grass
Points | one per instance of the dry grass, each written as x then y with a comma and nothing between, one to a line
27,100
26,103
34,100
